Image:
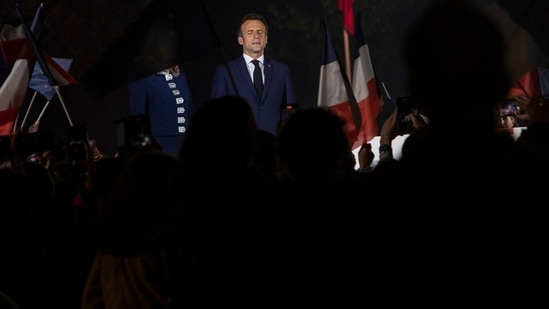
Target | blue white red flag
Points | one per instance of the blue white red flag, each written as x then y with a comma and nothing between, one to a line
365,89
14,43
14,87
334,90
12,94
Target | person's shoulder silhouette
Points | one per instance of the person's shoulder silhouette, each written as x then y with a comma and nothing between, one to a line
460,237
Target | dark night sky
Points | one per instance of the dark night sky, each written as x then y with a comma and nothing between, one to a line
295,36
302,49
84,30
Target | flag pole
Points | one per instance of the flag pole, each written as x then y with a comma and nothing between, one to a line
41,61
386,92
347,54
56,87
36,29
26,113
346,8
34,127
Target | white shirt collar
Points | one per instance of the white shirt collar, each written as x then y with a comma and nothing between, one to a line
248,58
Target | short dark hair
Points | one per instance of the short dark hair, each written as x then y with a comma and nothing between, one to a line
252,16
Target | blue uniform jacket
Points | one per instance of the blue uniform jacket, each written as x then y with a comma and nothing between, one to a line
168,104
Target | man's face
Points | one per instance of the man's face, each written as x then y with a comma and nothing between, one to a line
253,38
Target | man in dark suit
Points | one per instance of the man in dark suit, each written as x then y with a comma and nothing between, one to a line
277,89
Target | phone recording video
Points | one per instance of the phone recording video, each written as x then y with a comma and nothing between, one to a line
406,106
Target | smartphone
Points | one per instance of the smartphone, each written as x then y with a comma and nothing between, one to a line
133,131
406,106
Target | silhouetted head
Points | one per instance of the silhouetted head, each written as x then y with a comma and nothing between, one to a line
221,136
265,157
313,143
455,57
138,214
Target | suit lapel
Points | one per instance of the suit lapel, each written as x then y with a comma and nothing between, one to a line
243,69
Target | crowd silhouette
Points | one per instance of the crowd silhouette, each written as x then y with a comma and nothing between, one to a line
244,218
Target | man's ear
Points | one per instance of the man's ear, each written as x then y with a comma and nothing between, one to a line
240,40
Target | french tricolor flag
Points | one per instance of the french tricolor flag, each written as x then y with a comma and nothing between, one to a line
365,89
334,90
16,51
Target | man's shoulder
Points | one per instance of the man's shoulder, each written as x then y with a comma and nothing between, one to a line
274,62
276,66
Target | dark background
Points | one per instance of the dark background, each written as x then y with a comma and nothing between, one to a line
85,30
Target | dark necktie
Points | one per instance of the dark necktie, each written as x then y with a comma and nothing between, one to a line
258,78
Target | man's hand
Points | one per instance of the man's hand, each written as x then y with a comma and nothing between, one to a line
389,129
365,155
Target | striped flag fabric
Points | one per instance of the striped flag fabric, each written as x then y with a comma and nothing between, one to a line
527,85
533,84
59,68
335,92
12,94
14,88
365,88
13,40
